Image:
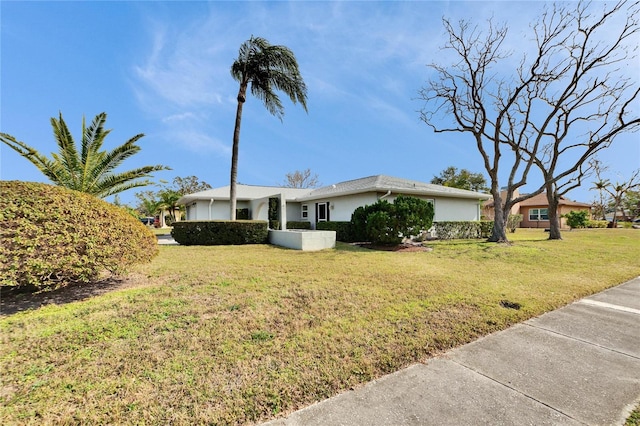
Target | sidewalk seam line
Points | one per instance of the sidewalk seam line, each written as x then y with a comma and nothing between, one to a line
606,305
538,327
517,391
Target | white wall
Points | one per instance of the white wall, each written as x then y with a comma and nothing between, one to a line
340,208
219,211
294,212
450,209
259,209
446,209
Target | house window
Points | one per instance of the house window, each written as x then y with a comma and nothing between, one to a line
305,211
538,214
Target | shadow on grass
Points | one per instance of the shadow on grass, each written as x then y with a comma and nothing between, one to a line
12,301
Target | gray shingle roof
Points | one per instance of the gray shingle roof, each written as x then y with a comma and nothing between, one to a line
383,183
378,183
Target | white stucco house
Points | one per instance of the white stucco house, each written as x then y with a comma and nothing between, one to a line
334,202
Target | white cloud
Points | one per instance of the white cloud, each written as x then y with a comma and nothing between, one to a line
179,117
183,67
199,142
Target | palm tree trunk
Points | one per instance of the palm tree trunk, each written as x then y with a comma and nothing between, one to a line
234,153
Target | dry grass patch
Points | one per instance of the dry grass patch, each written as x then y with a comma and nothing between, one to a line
236,335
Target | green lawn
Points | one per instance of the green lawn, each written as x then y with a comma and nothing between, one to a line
240,334
634,417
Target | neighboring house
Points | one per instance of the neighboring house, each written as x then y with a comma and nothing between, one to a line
535,210
332,203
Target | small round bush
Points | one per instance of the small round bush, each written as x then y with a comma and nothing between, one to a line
51,236
577,219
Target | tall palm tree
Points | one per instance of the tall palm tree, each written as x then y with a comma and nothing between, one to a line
266,68
150,206
601,186
90,170
169,202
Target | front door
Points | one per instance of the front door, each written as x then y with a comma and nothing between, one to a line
322,212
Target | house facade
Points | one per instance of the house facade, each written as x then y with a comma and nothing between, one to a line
535,210
335,202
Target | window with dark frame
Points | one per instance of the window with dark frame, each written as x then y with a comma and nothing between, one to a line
538,214
322,212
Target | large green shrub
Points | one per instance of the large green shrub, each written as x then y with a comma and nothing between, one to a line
220,232
387,223
51,236
382,229
344,230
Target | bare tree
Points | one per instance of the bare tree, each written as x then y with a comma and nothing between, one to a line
563,103
189,185
301,179
616,191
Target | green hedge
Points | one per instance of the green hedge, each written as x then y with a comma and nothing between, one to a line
220,232
344,230
51,236
597,223
298,225
463,229
274,224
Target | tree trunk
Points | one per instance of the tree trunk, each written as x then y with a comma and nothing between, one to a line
234,153
554,218
499,233
616,207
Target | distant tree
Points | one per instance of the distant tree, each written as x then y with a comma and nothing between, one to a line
265,68
301,179
566,101
169,201
463,179
148,203
631,204
151,203
601,186
88,170
618,191
189,185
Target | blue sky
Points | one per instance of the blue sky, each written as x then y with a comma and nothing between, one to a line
162,69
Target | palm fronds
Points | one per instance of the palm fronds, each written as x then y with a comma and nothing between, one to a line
91,170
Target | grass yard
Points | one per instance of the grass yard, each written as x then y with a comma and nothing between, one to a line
634,418
238,335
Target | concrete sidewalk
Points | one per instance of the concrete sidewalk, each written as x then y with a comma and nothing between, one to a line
578,365
166,240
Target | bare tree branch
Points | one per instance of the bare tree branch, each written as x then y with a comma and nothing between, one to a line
564,103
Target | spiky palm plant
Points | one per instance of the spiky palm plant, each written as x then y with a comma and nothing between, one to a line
266,68
90,170
169,202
